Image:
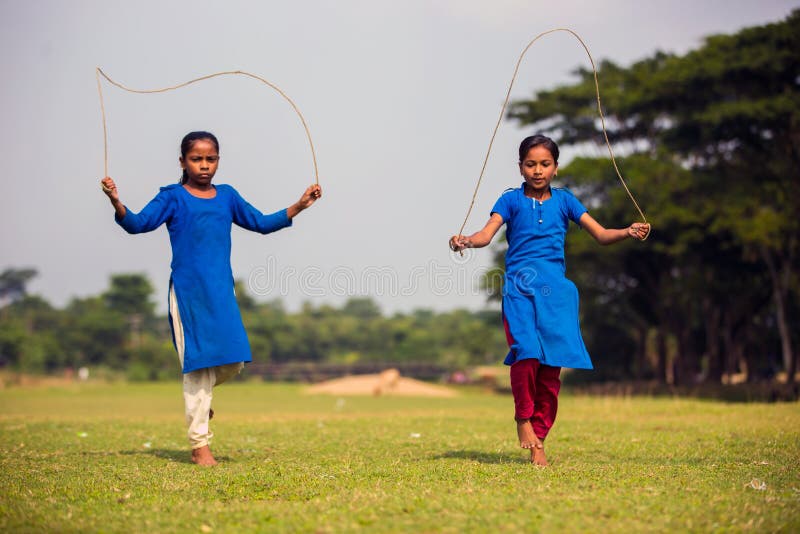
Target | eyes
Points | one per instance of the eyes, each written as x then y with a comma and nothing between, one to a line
207,159
531,164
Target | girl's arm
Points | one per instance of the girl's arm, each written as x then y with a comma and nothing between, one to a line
311,195
478,239
153,215
110,189
252,219
609,236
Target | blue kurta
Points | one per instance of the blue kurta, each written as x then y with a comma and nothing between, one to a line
540,306
200,235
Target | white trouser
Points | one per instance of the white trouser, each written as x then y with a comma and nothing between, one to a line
197,385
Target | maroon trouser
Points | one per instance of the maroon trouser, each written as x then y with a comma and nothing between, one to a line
535,387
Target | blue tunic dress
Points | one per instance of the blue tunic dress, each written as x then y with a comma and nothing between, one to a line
200,235
540,306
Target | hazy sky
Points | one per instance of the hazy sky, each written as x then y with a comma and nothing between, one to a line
400,98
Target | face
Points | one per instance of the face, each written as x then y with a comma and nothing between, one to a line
200,163
538,168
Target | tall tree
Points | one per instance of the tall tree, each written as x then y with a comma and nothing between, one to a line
130,295
13,283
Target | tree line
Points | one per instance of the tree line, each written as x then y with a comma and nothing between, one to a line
120,330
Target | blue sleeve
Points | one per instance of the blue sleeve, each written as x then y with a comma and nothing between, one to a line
503,207
153,215
250,218
573,207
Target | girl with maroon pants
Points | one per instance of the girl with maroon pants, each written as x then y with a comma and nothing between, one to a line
540,305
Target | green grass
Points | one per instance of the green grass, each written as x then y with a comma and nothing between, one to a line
114,458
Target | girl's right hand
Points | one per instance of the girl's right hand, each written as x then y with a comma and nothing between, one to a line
109,188
458,243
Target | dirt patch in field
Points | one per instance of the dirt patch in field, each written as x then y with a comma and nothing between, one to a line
388,382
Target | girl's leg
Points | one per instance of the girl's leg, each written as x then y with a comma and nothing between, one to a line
197,395
523,372
523,384
545,402
223,373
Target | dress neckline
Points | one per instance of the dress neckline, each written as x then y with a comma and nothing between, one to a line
540,202
216,193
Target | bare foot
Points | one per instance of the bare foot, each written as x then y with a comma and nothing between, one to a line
527,439
537,454
202,456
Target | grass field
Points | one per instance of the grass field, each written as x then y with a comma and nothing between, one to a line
113,458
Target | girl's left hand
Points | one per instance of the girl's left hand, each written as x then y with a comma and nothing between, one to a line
639,231
310,195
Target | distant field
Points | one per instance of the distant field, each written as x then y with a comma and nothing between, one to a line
113,458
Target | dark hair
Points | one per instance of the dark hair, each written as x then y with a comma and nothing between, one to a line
536,140
188,142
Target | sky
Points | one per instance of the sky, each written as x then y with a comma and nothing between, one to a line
400,98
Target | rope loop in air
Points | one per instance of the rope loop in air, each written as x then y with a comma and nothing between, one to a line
99,73
599,111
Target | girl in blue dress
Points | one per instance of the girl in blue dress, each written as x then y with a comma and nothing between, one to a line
206,324
540,306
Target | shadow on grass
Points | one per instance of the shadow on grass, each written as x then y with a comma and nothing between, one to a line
482,457
183,456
